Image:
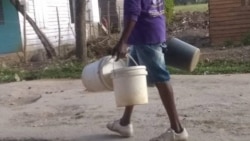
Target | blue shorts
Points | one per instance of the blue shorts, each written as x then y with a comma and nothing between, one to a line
152,57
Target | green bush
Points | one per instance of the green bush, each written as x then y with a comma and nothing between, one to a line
246,39
169,10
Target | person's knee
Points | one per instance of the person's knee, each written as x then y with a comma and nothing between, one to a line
164,85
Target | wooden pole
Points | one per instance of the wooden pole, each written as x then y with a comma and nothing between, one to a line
120,20
59,32
89,21
109,24
80,29
24,33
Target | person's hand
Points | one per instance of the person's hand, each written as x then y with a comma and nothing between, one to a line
120,50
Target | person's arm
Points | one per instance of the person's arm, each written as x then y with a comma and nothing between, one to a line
129,26
132,9
120,49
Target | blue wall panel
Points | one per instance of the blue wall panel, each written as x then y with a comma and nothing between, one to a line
10,34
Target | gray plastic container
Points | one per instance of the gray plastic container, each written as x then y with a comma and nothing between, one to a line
181,55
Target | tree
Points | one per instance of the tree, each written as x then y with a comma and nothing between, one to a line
169,9
45,41
80,29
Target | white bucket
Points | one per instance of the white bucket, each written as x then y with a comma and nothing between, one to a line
97,75
130,86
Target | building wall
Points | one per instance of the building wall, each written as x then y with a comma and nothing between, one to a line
229,20
10,35
44,13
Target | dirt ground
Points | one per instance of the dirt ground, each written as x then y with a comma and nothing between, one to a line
211,107
222,53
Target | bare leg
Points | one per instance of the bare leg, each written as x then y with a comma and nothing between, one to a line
125,120
166,93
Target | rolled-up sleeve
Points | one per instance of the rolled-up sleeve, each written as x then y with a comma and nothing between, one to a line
132,9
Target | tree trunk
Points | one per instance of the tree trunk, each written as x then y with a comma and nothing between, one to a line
45,41
80,29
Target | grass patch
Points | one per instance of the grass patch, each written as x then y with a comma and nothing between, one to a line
73,70
217,67
246,39
191,8
59,70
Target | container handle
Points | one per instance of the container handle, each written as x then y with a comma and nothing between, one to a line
128,56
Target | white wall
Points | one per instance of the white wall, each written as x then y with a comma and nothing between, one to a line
43,12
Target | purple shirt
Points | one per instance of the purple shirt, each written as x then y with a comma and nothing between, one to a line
151,25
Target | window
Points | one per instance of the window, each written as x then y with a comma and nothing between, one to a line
72,10
1,13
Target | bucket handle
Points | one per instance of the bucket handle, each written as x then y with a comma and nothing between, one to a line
130,57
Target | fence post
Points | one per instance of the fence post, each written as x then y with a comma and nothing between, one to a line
120,20
89,21
59,32
109,24
24,33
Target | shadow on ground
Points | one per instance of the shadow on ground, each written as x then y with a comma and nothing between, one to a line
31,139
97,137
101,137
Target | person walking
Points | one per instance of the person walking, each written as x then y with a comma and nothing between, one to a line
145,31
